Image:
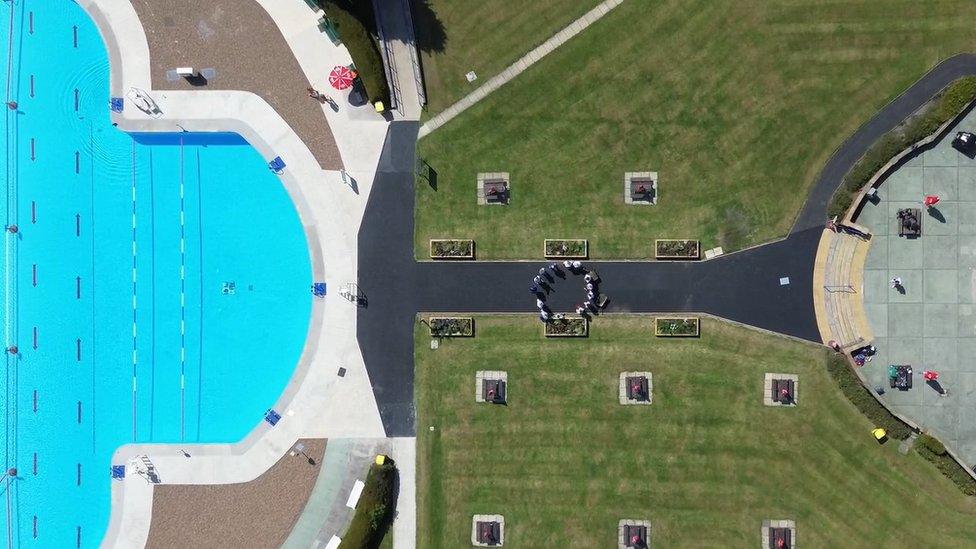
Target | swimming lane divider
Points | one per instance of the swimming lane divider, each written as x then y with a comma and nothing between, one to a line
34,275
79,411
35,338
77,287
77,224
78,482
77,162
35,464
33,151
76,99
74,31
30,25
78,350
35,526
33,212
32,85
35,401
78,537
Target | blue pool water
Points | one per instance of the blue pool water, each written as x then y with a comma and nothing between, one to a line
117,285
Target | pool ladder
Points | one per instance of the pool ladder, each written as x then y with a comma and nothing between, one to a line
147,470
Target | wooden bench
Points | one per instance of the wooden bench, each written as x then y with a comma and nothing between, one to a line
780,538
489,533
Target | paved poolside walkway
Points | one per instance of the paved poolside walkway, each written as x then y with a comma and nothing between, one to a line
520,66
933,324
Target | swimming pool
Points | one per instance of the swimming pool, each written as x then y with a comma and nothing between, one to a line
156,289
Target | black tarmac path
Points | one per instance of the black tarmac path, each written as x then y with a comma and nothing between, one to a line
743,286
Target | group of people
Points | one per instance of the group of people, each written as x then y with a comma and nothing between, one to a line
541,286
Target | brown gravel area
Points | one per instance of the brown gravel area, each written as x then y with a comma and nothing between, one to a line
239,40
255,514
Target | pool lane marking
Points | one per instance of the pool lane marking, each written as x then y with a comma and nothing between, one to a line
135,360
182,297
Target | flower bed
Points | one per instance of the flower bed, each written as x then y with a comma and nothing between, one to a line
676,326
567,327
451,249
451,326
566,248
668,248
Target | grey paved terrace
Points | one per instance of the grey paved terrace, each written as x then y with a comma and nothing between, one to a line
932,325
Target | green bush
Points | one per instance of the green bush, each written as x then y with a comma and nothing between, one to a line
949,467
941,108
356,25
375,510
932,444
863,400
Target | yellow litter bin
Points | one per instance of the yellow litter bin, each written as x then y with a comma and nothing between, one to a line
879,433
380,459
379,106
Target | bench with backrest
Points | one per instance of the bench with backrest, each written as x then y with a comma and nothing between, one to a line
493,390
635,536
779,385
638,388
489,533
780,538
496,191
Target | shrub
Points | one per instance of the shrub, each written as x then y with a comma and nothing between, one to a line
572,327
375,510
940,109
356,25
451,327
948,466
452,248
932,444
863,400
671,327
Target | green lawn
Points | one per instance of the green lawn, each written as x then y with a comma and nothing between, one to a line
705,463
484,36
737,105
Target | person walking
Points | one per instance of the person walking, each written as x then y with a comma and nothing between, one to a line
533,289
568,264
540,303
554,267
896,283
537,279
580,310
577,265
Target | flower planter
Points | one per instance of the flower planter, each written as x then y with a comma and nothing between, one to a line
676,326
566,248
451,248
668,248
451,326
567,327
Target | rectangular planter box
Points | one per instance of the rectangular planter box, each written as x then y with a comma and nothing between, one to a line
670,326
565,248
446,248
449,326
575,327
671,248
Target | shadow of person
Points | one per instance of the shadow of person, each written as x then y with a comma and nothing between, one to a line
934,383
900,289
936,214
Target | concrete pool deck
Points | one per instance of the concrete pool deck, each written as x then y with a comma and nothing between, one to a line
318,402
932,324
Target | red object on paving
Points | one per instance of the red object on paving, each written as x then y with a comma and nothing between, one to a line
342,77
931,200
930,375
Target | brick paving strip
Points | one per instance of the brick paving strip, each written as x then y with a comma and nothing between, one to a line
246,48
254,514
519,66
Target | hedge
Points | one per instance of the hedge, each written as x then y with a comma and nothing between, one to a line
948,466
356,25
863,400
376,508
943,107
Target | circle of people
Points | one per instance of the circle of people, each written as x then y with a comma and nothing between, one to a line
541,286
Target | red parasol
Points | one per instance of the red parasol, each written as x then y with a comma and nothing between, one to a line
342,77
931,200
